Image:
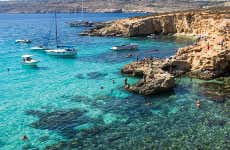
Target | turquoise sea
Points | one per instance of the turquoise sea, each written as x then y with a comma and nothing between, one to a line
60,104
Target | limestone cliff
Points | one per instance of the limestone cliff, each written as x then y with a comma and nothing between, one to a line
207,58
201,22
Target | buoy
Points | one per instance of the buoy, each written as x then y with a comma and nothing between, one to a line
102,87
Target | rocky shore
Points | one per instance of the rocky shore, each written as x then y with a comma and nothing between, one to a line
154,78
207,58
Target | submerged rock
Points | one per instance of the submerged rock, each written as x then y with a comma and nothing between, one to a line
218,92
96,75
62,121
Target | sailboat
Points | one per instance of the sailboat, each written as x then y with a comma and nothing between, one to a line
82,22
60,50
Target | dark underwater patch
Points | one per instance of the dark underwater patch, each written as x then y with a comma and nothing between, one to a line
62,121
80,76
96,75
218,92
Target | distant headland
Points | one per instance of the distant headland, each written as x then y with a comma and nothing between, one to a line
70,6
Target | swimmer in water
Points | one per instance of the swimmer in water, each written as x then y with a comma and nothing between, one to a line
24,138
198,104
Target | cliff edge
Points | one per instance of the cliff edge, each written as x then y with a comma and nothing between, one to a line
207,58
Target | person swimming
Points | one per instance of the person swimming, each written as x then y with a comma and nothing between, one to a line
24,138
198,104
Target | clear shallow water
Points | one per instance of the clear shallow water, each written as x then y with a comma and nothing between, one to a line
60,103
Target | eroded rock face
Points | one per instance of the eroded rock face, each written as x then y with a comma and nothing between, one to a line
207,58
154,79
204,22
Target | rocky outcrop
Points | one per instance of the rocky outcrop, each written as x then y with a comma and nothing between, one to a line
207,58
199,22
154,79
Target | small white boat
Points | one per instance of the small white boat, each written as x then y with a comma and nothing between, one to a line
62,52
38,48
23,41
28,60
125,47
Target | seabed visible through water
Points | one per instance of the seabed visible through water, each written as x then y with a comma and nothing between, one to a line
60,104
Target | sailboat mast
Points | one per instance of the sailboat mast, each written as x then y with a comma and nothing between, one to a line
82,9
56,29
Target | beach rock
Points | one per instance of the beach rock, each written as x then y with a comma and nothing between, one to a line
154,79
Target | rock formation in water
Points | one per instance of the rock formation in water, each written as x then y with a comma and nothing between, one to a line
207,58
154,79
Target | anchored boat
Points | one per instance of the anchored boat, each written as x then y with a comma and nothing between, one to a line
125,47
38,48
60,50
29,61
23,41
82,22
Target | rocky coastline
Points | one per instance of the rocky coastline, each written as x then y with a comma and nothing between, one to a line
208,58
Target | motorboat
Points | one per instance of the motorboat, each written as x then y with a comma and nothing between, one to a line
125,47
29,61
38,48
23,41
62,52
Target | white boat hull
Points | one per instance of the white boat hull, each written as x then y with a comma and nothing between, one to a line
23,41
61,52
37,48
125,47
30,63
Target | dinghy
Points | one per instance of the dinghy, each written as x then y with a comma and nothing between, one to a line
125,47
29,61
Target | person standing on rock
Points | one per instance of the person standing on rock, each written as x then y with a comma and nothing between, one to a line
208,46
126,83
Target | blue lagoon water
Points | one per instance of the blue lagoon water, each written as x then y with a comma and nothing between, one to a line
60,104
